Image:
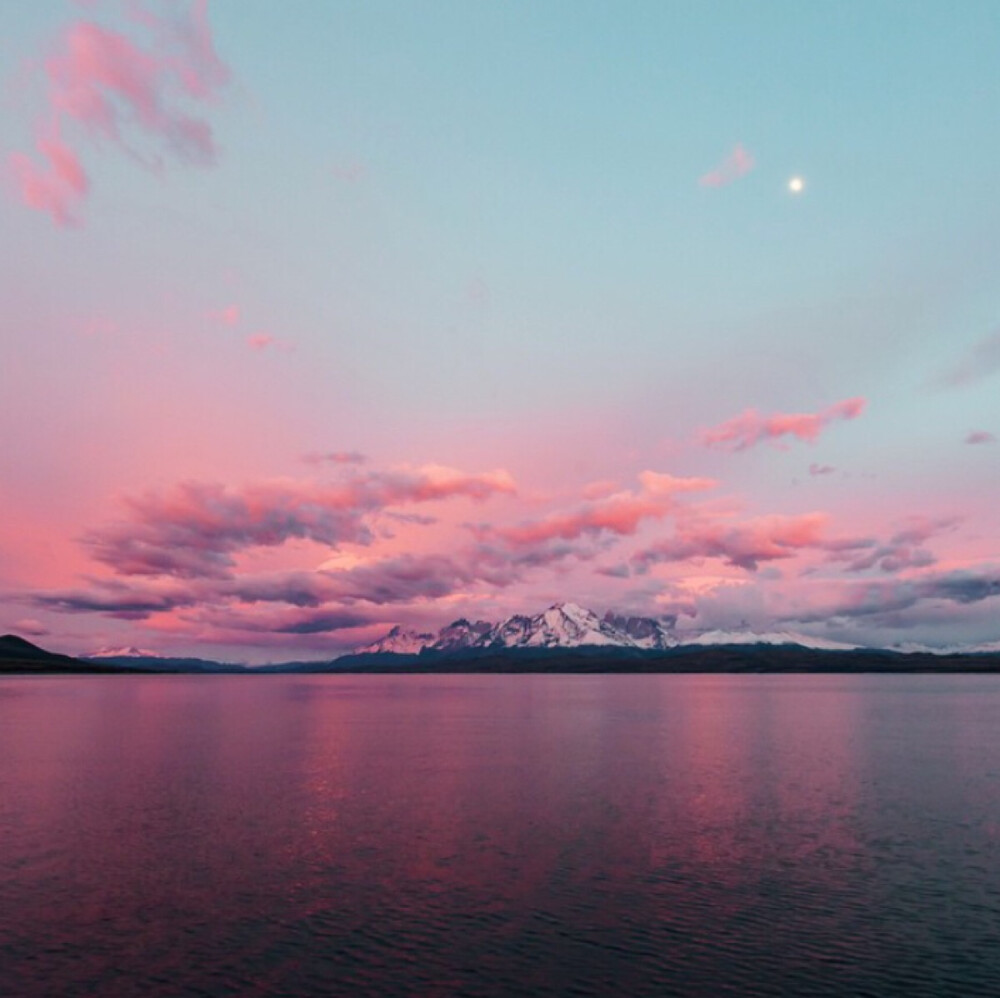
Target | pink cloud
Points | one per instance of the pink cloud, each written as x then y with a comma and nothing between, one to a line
58,186
752,427
336,457
619,513
228,316
196,529
737,164
742,545
265,341
821,469
33,628
980,437
112,88
600,489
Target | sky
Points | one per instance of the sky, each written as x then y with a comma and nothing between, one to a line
324,317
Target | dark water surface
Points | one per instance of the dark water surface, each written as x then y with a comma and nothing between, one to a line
500,835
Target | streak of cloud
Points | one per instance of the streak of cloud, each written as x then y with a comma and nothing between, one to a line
737,164
981,437
982,361
752,427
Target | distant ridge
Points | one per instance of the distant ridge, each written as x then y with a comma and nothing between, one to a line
681,659
134,660
20,656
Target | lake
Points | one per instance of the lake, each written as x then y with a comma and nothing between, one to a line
500,835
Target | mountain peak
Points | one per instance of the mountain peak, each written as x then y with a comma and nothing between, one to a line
14,641
399,641
129,651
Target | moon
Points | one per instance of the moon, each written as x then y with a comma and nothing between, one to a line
796,185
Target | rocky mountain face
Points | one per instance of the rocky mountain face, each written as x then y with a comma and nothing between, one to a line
461,634
645,632
400,642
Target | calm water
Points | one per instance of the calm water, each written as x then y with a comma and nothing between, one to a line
500,835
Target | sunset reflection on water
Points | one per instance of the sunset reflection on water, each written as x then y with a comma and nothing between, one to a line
499,835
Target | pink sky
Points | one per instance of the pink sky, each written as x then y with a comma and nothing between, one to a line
300,345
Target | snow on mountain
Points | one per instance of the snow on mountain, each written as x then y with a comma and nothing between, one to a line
399,642
129,651
748,637
564,625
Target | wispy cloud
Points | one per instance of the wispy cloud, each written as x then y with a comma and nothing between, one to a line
737,164
115,598
902,550
981,437
350,171
227,316
982,361
752,427
618,513
335,457
115,88
59,184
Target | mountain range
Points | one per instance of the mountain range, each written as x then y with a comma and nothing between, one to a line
568,625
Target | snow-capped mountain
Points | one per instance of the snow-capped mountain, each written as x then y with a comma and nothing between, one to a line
563,625
129,651
399,642
748,637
